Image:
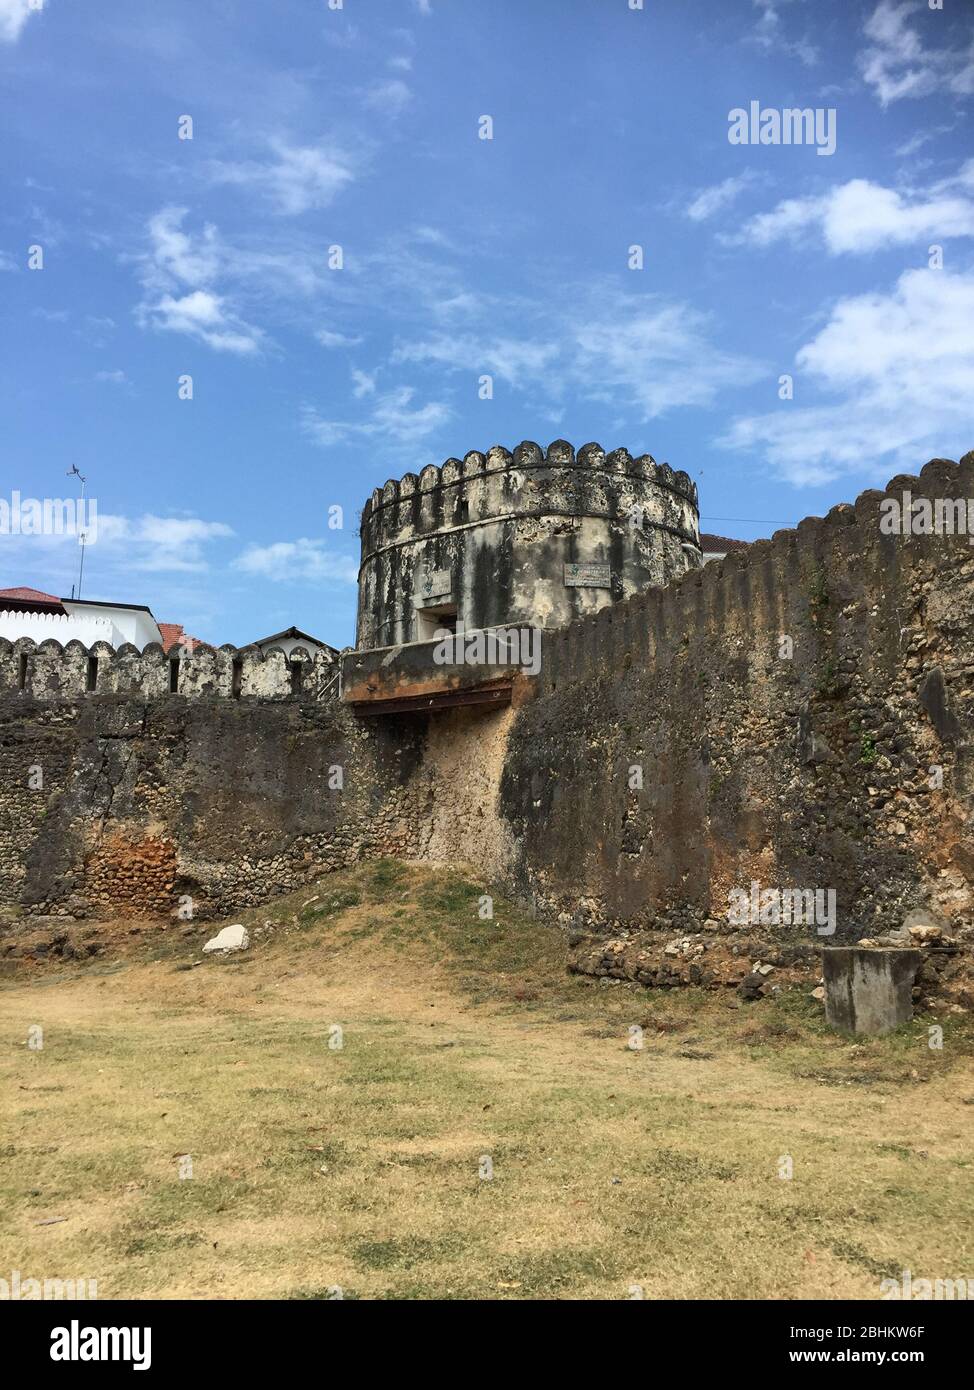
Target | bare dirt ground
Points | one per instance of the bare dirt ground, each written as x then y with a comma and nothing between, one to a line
617,1171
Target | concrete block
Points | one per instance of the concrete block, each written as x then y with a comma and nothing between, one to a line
868,991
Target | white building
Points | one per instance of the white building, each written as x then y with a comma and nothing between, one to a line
30,613
292,638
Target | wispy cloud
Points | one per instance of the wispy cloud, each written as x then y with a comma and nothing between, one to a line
900,369
769,34
304,559
860,216
328,338
293,178
173,263
203,315
153,543
922,137
513,360
390,98
718,196
635,351
897,63
362,383
392,417
147,543
14,14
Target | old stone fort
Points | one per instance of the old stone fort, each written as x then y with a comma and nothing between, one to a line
795,713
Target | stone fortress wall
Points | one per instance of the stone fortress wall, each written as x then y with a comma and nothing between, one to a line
492,534
845,765
801,715
47,671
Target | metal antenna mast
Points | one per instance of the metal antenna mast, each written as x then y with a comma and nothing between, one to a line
74,471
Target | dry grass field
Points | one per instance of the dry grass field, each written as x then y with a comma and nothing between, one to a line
358,1167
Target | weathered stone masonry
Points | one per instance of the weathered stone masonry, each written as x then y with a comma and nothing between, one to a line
149,795
808,771
490,536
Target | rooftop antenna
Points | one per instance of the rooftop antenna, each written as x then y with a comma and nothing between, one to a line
74,471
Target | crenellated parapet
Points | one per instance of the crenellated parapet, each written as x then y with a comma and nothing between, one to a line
531,536
424,502
781,575
49,671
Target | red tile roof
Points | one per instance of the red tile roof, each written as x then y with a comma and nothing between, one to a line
23,595
174,636
710,542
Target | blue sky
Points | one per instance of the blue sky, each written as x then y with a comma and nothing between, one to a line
357,127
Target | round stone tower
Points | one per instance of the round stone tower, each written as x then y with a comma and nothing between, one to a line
537,537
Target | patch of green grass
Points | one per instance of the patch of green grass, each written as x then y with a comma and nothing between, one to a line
331,905
687,1167
406,1252
157,1241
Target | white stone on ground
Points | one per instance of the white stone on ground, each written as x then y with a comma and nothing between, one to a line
233,938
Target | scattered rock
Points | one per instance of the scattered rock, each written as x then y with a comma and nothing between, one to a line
233,938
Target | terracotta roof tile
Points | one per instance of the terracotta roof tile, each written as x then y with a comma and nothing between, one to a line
174,636
24,595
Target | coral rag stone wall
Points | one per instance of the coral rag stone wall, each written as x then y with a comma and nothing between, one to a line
843,765
48,671
141,802
799,716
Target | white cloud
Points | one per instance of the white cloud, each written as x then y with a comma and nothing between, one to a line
295,179
718,196
390,97
202,315
14,14
177,272
424,6
768,34
393,417
922,137
7,261
902,367
658,357
897,63
329,339
175,254
157,543
861,216
121,545
116,377
513,360
607,346
301,559
363,384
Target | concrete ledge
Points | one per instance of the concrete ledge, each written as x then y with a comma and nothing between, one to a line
868,991
386,679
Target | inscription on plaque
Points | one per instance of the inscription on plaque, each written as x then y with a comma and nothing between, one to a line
435,587
588,575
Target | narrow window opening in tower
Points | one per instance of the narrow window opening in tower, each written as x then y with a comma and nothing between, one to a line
430,621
